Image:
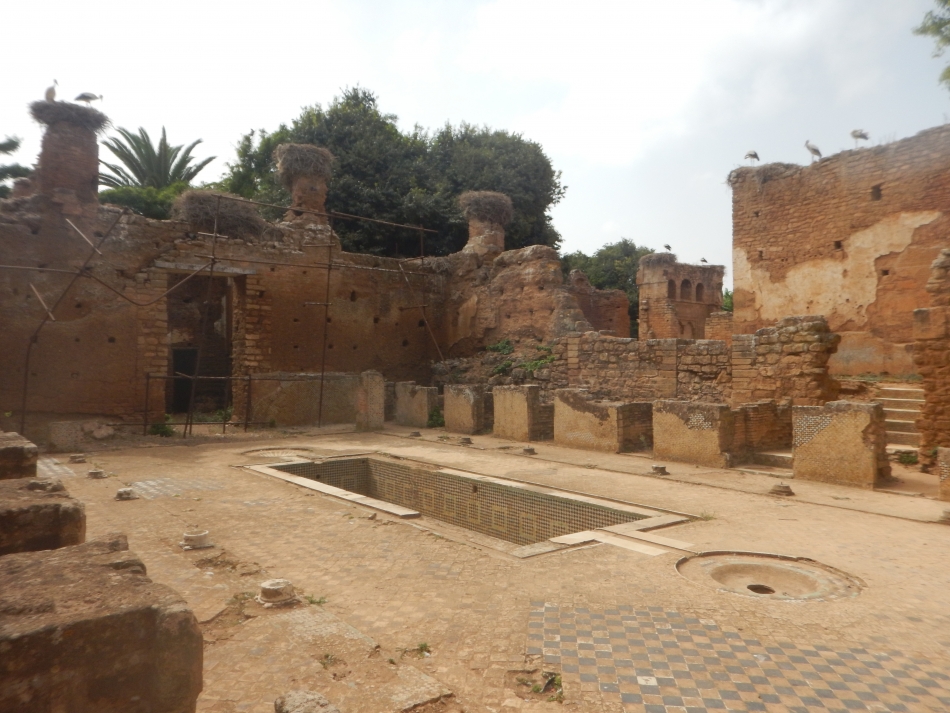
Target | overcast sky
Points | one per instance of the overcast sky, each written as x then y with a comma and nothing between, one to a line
645,106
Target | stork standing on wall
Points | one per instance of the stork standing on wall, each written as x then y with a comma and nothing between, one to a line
813,150
704,261
752,156
859,135
668,248
51,92
88,97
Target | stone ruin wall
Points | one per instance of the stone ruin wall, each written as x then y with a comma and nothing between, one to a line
851,237
787,363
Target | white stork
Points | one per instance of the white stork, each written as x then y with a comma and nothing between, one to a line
813,150
51,92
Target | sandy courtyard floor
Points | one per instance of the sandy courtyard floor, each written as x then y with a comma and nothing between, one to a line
623,629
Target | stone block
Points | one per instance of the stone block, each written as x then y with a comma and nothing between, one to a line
415,403
83,630
17,457
841,442
465,408
291,399
615,427
693,432
38,515
520,415
370,402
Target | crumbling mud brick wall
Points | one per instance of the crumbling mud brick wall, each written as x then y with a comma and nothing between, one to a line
841,442
675,298
614,427
932,358
371,402
719,327
604,310
762,426
700,433
850,237
788,362
67,647
39,515
520,415
295,399
17,456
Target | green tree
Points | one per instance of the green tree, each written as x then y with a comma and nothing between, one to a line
144,165
148,201
10,170
404,177
936,24
612,267
727,300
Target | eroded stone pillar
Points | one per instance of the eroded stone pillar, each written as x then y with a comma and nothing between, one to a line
304,169
487,213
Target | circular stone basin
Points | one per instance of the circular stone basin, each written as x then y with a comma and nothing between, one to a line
768,576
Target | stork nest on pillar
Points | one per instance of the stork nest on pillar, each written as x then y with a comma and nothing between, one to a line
50,113
235,218
302,160
487,206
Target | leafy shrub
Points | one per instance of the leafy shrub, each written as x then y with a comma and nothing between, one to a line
436,419
151,202
162,429
503,347
907,458
504,367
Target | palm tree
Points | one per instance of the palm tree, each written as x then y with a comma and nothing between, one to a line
10,170
145,165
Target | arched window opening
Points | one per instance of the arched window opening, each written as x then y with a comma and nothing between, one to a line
686,290
700,290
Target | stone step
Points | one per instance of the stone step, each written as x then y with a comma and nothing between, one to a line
776,459
900,414
902,393
901,426
903,439
909,404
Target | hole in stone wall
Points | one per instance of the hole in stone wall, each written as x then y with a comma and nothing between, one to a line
355,347
761,254
353,296
671,289
79,305
304,272
111,340
422,323
77,339
329,319
540,287
885,272
273,269
760,589
876,193
837,245
405,342
375,320
296,320
755,213
329,346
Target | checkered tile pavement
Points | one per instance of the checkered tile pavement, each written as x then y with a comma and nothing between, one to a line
52,468
658,661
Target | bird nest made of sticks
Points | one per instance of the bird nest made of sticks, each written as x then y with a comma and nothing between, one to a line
487,206
302,160
763,174
655,259
235,218
50,113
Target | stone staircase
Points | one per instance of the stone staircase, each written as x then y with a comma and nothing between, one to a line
902,406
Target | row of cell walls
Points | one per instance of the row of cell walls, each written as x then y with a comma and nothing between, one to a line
92,359
851,238
199,320
374,320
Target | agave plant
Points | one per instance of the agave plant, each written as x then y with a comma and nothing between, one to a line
145,165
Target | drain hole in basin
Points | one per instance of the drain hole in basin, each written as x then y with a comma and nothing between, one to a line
760,589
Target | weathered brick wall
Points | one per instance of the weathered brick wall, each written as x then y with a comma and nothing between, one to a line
943,473
520,415
676,298
700,433
841,442
850,237
610,426
932,358
761,426
719,326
